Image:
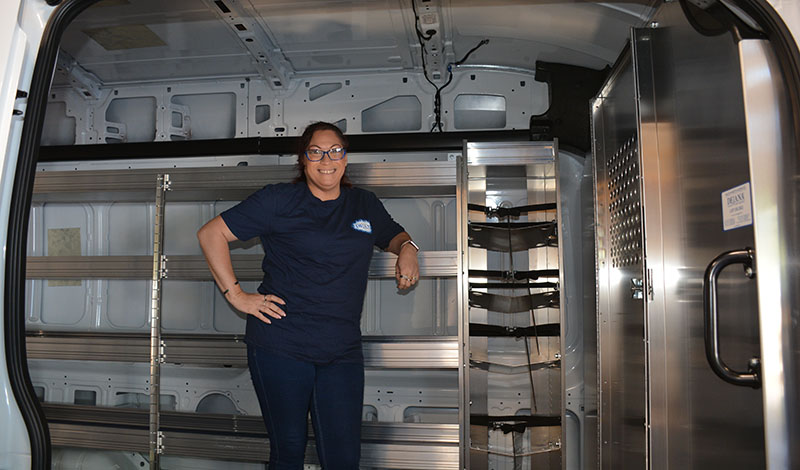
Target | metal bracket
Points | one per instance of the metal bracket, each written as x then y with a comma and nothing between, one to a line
162,267
431,28
85,83
115,131
182,129
166,184
637,288
22,99
160,443
268,57
162,352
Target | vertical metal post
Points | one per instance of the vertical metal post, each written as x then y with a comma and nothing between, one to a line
773,172
156,346
562,302
462,194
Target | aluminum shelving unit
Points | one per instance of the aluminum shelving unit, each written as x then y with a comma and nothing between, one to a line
511,238
240,438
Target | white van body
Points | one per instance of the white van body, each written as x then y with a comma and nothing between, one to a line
684,147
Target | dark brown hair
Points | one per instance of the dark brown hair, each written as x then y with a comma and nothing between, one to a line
305,140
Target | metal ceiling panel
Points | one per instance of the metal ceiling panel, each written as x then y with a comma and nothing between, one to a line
196,43
584,34
320,35
150,40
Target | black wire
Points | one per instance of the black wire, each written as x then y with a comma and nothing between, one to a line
437,97
466,56
437,100
533,319
514,448
437,104
416,24
527,348
421,38
530,374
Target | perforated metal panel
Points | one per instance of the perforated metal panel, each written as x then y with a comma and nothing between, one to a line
625,205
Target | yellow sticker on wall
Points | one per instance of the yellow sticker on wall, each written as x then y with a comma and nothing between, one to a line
64,242
126,36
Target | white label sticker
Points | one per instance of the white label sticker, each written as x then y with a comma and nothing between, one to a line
736,208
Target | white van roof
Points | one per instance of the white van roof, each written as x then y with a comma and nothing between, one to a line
121,41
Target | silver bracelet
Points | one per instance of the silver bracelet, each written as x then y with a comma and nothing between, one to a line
411,242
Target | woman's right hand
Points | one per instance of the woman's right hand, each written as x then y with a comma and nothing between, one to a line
259,305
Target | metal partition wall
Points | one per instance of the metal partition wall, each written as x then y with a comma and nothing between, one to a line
88,329
620,273
511,242
672,185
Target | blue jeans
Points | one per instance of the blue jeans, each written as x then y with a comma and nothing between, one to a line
288,389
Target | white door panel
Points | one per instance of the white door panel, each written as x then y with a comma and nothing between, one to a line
21,26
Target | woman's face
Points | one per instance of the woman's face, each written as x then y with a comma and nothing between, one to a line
323,177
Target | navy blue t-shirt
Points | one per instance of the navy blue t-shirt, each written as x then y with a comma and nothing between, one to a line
317,256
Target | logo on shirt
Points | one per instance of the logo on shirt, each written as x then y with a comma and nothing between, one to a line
362,226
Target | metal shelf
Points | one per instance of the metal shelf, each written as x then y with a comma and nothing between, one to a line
410,352
195,268
243,438
409,179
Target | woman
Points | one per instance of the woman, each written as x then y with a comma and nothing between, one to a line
303,326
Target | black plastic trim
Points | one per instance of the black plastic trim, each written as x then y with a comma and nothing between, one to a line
424,141
187,148
502,212
518,275
525,421
495,331
726,21
14,288
421,141
513,285
570,88
786,51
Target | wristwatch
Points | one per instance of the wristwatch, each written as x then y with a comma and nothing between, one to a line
410,242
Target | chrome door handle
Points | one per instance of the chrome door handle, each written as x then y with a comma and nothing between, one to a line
745,257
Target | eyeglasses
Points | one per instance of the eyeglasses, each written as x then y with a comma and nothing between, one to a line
335,154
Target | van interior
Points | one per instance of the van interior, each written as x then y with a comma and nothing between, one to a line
561,164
